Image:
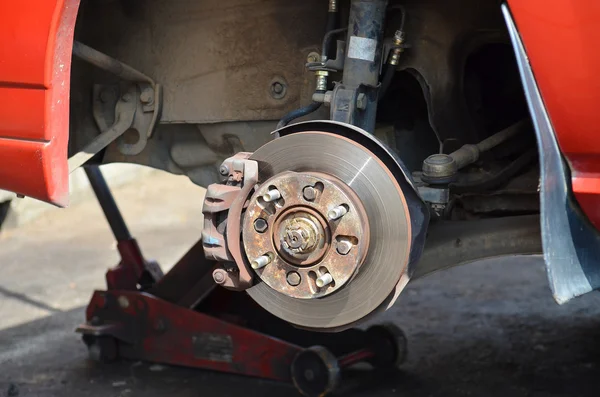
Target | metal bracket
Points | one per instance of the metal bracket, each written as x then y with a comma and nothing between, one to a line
222,211
125,110
138,108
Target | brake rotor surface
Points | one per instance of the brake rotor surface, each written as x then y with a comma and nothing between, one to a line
388,218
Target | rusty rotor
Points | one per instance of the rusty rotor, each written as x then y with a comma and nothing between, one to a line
288,232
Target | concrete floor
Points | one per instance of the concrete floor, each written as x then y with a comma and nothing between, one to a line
488,329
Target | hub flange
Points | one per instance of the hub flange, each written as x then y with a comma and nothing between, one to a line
310,253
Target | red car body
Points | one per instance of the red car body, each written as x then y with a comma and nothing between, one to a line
35,69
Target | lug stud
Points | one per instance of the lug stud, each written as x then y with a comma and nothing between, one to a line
324,279
271,195
337,212
261,262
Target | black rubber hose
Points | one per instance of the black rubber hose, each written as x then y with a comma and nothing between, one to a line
331,21
386,81
390,70
295,114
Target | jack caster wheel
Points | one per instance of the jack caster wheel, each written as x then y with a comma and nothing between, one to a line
389,345
315,372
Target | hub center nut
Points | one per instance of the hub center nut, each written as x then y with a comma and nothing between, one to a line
300,236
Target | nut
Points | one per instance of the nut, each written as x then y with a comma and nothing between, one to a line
147,96
361,101
278,89
293,278
313,57
343,247
261,225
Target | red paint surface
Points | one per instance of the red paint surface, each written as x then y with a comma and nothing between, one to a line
160,331
561,38
36,39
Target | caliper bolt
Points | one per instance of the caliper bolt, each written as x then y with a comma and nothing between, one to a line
337,212
147,96
310,193
219,276
271,195
260,262
260,225
344,246
224,170
293,278
324,279
361,101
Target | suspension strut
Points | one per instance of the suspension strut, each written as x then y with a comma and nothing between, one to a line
354,101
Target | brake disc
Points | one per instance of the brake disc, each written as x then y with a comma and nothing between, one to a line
389,226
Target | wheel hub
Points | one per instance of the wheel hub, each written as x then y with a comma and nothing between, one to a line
316,235
326,229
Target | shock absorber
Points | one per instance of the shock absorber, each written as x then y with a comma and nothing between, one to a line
354,101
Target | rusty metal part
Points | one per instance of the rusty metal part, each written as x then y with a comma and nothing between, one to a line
389,223
301,239
217,201
222,211
150,96
301,235
398,49
124,115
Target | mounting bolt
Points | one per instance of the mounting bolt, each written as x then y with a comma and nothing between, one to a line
260,262
224,170
337,212
260,225
271,195
344,246
219,276
123,302
313,57
107,95
324,280
293,278
147,96
361,101
310,193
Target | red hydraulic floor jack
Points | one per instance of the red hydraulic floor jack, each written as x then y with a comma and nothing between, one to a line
182,318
